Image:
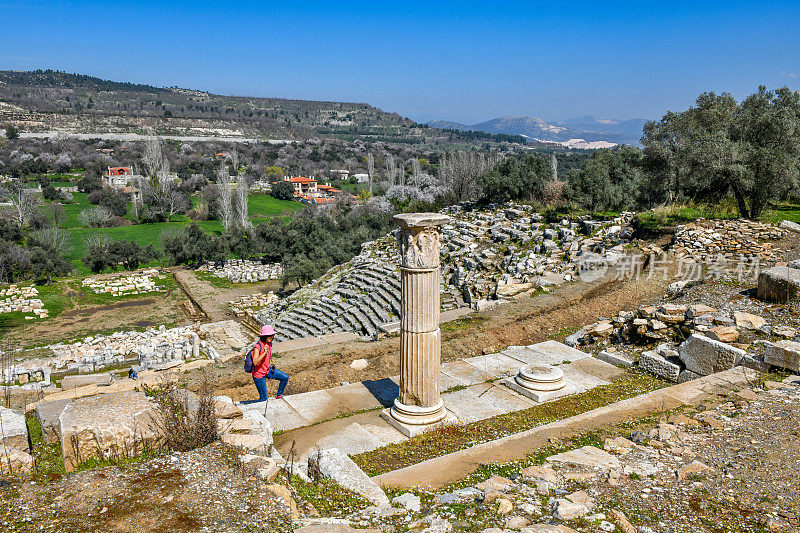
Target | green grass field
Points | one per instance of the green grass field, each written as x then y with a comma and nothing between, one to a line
260,207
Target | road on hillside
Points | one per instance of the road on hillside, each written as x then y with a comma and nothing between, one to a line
132,137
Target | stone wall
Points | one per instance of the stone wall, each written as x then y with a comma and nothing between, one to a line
706,240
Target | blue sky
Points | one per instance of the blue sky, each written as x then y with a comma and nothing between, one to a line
460,61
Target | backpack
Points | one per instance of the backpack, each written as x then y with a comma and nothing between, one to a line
248,360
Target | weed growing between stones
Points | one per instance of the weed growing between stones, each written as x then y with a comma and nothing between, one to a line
328,497
451,438
48,460
187,421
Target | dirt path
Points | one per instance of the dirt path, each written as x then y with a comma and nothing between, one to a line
524,321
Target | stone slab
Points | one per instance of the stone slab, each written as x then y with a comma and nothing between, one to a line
467,374
560,350
496,364
108,425
315,406
591,372
15,430
454,314
350,440
615,358
355,397
335,465
47,413
469,405
588,456
281,415
75,381
384,390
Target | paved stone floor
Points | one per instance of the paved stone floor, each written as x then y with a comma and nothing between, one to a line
347,417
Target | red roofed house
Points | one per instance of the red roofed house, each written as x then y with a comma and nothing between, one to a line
118,177
302,186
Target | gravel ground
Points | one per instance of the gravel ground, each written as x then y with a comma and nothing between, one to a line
201,490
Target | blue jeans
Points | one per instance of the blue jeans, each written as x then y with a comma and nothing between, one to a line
261,383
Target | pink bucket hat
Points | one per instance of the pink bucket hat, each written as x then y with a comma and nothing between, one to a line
267,330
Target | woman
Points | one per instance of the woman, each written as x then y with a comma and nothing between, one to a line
262,365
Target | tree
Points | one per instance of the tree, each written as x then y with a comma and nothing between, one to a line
130,254
749,150
12,133
193,246
608,181
97,257
95,217
516,178
24,202
225,197
370,170
283,190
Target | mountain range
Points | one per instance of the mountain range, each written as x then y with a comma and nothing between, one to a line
588,128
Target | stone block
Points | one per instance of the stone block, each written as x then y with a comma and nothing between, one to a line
107,426
723,333
15,431
789,225
707,356
72,381
688,375
783,354
335,465
778,284
15,462
615,358
748,320
653,363
47,413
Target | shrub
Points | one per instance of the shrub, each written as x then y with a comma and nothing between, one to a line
187,422
95,217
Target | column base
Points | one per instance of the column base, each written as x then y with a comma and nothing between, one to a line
412,420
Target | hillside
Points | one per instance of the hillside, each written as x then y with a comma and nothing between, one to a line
588,128
47,100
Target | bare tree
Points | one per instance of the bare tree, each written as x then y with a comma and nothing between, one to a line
24,202
415,171
153,159
459,172
225,197
391,169
242,197
370,169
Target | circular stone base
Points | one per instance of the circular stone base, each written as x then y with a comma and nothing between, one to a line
540,377
415,415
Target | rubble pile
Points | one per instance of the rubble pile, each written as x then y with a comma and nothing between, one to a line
243,304
243,270
137,283
704,240
694,340
488,256
154,348
22,299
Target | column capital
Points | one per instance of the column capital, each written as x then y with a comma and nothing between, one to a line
419,239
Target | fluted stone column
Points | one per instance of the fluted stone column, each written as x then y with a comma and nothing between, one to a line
419,403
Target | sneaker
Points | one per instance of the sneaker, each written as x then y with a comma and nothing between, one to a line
279,396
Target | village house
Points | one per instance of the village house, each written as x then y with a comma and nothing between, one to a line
118,177
303,186
361,178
